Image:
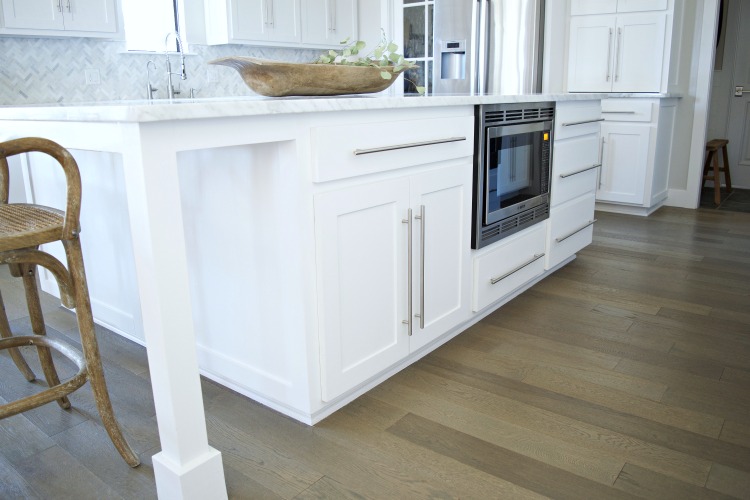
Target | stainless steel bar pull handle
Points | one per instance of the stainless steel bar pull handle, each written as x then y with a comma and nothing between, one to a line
535,258
333,15
59,5
609,56
619,112
601,160
617,56
270,13
408,321
570,174
421,218
582,122
67,5
590,223
408,145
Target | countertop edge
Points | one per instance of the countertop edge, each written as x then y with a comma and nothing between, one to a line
190,109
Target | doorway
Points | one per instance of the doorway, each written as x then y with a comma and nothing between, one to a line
729,114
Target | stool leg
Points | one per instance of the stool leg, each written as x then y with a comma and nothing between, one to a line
717,181
91,351
706,168
15,354
37,326
727,177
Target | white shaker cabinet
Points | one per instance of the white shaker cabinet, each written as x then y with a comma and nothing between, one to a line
266,20
587,7
329,22
393,271
617,53
281,23
60,17
637,141
575,167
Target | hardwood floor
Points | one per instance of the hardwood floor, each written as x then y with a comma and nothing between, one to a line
625,374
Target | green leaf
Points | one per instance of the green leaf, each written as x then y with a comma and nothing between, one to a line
345,41
392,47
332,53
378,53
359,45
420,90
347,52
386,75
393,57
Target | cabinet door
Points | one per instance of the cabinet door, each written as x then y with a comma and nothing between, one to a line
90,15
249,19
362,282
33,14
441,236
590,54
266,20
639,53
284,20
637,5
328,22
625,153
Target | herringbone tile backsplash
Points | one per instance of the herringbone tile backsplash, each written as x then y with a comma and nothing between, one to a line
52,70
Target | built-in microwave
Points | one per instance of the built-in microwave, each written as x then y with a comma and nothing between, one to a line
512,164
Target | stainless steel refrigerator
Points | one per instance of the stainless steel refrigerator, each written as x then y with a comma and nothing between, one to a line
488,46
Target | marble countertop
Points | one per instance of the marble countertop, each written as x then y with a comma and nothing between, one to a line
186,109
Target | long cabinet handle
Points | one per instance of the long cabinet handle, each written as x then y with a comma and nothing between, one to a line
609,56
590,223
408,322
67,4
620,112
421,218
592,167
536,257
582,122
617,55
333,14
408,145
59,5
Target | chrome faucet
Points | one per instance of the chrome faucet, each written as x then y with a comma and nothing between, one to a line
182,74
150,89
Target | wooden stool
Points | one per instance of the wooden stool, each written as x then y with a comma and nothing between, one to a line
712,160
23,228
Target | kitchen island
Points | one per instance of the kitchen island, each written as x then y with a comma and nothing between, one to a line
277,260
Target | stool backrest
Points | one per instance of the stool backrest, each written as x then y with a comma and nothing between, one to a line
66,161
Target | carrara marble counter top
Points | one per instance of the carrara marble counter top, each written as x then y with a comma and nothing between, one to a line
186,109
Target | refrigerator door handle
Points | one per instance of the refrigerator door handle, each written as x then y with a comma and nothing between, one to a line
484,36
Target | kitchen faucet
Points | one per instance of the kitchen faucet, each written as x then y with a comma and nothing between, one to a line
182,74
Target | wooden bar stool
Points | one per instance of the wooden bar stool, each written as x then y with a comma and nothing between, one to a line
712,161
23,228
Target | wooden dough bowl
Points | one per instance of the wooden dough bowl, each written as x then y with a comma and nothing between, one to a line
278,79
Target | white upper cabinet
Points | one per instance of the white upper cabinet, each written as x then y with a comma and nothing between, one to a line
59,17
617,53
283,23
328,22
266,20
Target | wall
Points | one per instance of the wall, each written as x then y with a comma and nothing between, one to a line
51,70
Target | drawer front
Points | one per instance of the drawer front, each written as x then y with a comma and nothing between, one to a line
509,266
573,118
570,229
575,167
628,110
362,148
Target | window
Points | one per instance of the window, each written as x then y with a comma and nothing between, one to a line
147,23
417,43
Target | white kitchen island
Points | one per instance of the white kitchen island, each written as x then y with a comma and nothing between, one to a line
280,262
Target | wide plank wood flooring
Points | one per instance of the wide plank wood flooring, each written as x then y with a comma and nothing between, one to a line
625,374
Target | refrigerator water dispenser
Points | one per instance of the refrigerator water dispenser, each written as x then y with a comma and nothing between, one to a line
453,60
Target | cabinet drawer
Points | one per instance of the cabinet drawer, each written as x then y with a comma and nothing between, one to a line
627,110
518,260
362,148
570,229
575,167
577,118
